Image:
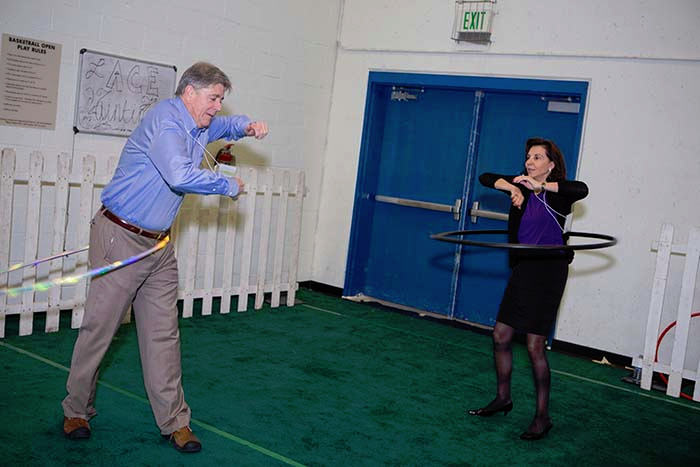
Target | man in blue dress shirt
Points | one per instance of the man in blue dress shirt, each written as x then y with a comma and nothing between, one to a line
158,166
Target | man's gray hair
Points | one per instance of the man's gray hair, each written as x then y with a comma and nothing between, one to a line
202,75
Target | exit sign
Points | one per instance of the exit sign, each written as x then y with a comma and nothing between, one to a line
473,21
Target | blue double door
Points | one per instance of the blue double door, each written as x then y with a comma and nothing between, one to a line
426,139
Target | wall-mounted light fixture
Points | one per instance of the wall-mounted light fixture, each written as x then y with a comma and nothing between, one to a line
473,21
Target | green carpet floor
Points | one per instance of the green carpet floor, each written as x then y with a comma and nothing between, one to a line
331,382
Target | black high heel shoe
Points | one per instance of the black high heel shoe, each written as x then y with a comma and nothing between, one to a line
534,436
492,409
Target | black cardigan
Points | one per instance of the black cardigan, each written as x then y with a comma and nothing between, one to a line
569,192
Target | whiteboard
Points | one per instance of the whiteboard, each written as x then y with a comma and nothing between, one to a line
115,92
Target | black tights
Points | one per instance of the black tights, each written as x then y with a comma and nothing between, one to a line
503,358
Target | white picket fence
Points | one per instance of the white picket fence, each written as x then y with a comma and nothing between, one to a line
225,248
676,371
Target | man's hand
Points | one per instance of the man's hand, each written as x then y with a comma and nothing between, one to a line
257,129
241,185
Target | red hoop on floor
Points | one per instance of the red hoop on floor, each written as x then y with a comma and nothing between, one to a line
656,354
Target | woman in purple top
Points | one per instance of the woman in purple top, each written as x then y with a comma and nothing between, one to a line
541,199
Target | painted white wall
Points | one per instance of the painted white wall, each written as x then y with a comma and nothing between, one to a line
279,55
640,145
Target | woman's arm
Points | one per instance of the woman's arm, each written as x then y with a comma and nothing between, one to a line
503,183
572,189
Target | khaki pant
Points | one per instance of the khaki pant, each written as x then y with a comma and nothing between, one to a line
151,286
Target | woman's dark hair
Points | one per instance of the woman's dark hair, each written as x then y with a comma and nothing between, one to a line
202,75
554,155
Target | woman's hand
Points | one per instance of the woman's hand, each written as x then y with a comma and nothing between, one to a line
528,182
516,197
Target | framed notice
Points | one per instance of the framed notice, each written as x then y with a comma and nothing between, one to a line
115,92
29,70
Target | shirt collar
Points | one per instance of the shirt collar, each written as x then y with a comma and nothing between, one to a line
190,125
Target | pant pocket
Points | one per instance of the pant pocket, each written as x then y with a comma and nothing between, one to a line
108,247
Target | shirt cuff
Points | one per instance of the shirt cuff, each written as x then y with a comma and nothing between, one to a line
240,127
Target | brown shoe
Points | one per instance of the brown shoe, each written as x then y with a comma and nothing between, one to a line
184,440
76,428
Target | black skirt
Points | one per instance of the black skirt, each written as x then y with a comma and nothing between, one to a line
533,294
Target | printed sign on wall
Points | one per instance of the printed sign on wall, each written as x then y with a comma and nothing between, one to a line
29,70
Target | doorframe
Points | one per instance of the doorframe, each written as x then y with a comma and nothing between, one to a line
377,84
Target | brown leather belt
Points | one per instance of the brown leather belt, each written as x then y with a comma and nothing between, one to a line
132,228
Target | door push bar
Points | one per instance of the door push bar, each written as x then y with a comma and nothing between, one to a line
454,209
475,212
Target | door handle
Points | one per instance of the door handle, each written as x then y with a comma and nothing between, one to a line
475,213
455,209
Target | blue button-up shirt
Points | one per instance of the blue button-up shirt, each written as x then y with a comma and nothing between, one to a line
160,164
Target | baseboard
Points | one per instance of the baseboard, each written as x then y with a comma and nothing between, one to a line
322,288
590,353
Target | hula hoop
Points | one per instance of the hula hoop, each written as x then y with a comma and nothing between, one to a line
42,286
450,237
18,266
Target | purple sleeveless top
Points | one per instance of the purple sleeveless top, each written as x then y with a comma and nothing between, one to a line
538,226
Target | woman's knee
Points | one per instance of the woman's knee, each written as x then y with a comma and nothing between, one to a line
535,345
502,334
